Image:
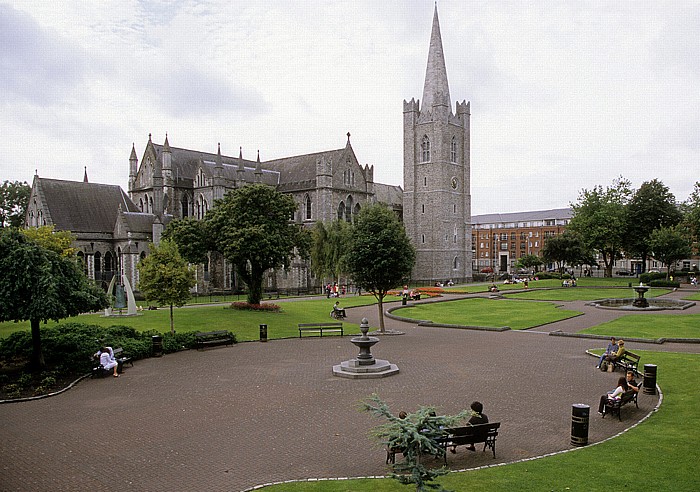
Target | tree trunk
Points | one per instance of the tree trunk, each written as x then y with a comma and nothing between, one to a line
172,323
380,303
255,286
36,362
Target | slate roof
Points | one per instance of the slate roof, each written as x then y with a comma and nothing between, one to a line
300,168
83,207
389,194
556,213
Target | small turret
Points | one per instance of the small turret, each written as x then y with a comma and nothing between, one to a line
133,166
167,158
219,167
85,178
258,170
240,172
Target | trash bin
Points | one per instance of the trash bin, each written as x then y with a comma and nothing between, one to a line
403,300
579,424
157,346
649,379
263,333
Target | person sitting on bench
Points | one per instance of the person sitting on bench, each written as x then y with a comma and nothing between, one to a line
616,355
631,383
477,418
611,349
107,360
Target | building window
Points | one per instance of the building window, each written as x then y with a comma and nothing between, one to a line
308,207
422,209
425,181
453,150
341,210
454,208
455,263
425,149
422,238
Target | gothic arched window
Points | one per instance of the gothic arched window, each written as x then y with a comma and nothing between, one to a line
425,149
453,150
341,210
308,207
184,206
348,209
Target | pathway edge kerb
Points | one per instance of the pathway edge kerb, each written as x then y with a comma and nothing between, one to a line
656,341
39,397
483,467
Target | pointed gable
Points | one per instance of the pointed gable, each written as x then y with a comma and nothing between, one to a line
82,207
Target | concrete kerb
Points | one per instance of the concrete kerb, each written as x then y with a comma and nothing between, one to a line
655,341
39,397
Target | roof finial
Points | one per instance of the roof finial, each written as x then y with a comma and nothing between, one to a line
149,136
348,137
85,178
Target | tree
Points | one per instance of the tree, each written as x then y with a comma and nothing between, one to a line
38,284
57,241
14,199
165,277
381,256
668,245
529,262
691,211
251,227
329,248
416,435
651,207
599,219
192,238
563,249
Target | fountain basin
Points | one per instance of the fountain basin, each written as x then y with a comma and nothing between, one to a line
354,369
653,304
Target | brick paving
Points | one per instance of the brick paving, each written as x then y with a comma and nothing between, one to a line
230,418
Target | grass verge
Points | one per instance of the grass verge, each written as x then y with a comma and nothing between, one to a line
577,294
651,326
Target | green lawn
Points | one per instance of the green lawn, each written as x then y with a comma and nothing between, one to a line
517,315
245,324
661,454
650,326
693,297
579,294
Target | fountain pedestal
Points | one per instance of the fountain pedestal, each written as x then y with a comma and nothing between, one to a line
365,366
640,301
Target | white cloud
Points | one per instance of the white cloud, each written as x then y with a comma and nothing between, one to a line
564,95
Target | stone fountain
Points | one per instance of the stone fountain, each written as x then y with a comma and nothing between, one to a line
365,366
640,301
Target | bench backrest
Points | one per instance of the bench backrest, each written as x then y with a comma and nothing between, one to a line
474,433
320,325
628,396
207,334
631,356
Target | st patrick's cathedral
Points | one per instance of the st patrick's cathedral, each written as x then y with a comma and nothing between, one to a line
113,229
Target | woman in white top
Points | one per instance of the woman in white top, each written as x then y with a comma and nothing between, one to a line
107,360
616,394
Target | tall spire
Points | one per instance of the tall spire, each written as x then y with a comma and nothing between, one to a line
85,178
436,91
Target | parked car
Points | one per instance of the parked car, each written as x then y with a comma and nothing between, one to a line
623,273
487,270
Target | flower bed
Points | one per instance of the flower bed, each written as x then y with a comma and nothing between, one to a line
244,306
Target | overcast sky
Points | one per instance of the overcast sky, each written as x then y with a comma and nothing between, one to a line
565,95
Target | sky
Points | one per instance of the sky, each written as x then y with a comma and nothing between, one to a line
565,95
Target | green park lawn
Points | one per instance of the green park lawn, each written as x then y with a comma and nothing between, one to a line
582,294
517,315
658,455
244,324
649,326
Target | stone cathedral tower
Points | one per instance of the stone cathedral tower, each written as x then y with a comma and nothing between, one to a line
436,175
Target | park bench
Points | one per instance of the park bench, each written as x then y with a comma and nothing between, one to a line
470,435
204,339
628,362
460,436
613,406
320,328
98,371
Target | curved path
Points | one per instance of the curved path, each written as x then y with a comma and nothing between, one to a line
231,418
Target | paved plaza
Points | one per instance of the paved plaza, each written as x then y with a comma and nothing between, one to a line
231,418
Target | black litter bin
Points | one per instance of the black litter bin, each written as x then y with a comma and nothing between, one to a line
157,345
649,379
263,333
579,424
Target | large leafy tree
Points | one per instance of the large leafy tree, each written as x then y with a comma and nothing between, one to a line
691,212
651,207
599,218
563,249
57,241
251,227
668,245
38,284
192,239
165,277
329,248
529,262
14,198
381,256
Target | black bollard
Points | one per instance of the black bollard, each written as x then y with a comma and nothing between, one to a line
649,379
579,424
263,333
157,345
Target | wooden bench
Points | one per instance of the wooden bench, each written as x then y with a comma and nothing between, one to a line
613,406
628,362
470,435
204,339
98,371
320,328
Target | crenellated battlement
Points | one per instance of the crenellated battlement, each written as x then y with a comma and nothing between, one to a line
410,106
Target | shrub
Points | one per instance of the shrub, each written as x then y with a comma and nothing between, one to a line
12,390
647,278
664,283
479,277
245,306
48,381
24,381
